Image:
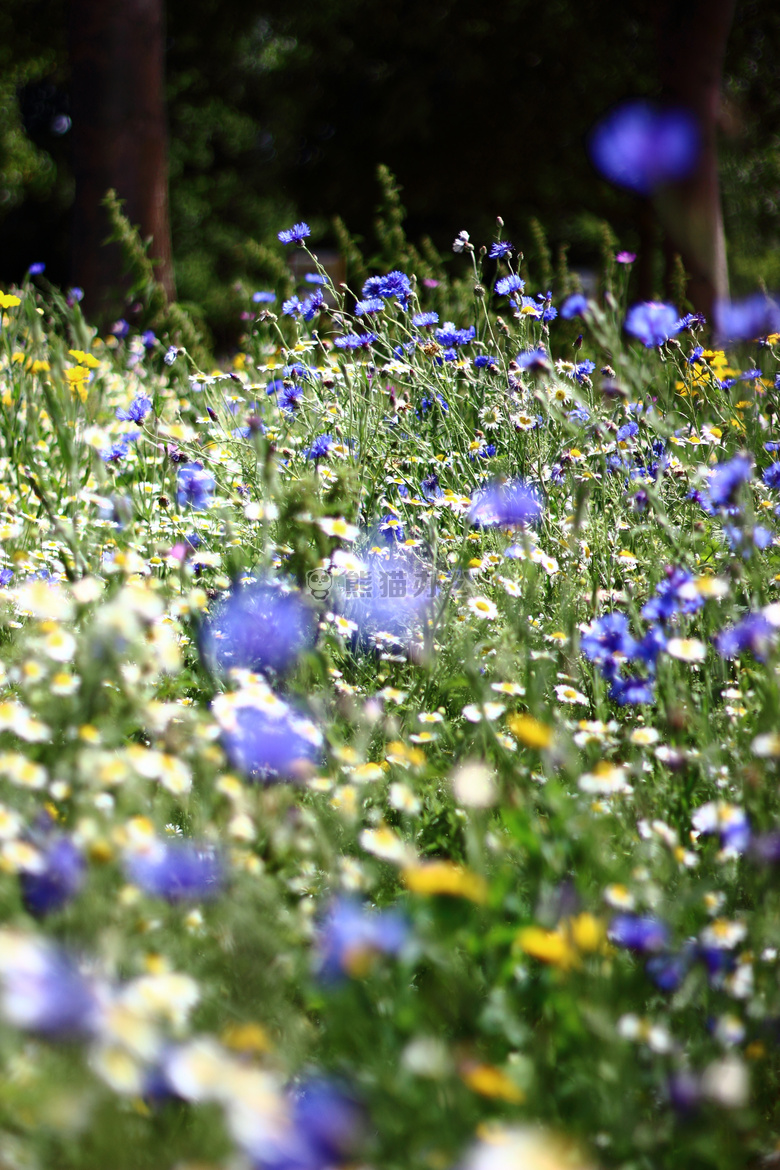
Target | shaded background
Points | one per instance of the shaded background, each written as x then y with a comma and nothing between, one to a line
282,110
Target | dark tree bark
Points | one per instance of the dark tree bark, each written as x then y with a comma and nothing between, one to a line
119,140
692,36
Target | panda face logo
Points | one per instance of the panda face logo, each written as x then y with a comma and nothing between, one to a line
319,582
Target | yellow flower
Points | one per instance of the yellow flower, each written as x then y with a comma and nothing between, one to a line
549,946
8,301
444,877
84,359
530,731
489,1081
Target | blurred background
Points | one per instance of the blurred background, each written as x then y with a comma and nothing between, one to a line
271,111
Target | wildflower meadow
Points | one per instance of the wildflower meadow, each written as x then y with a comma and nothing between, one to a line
390,739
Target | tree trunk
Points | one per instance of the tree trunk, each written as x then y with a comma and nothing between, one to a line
120,140
692,36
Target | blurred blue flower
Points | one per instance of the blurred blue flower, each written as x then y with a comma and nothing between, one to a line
351,937
195,487
727,478
745,320
771,476
263,298
575,305
502,505
533,359
652,322
43,991
638,933
58,878
261,627
319,447
641,147
176,870
753,633
269,740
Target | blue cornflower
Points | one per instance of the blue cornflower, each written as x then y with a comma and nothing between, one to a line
262,627
668,971
36,269
771,447
371,305
450,337
446,355
392,529
744,320
430,487
393,284
608,636
6,576
289,397
57,879
136,411
652,322
120,328
753,633
319,447
631,692
117,452
425,320
44,991
486,361
311,306
749,375
315,278
263,297
533,359
627,431
195,486
74,295
500,249
744,540
177,871
355,341
583,370
351,937
579,416
271,740
149,338
509,284
171,355
575,305
695,356
296,234
691,321
727,478
426,402
503,505
291,307
638,933
673,595
641,147
771,476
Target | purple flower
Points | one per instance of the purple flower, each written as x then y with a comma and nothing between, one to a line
673,595
533,359
753,633
170,355
137,410
771,476
638,933
625,257
120,328
262,627
195,487
74,295
391,597
267,739
294,235
370,305
727,478
500,249
607,637
745,320
652,322
42,989
484,360
509,284
37,269
575,305
641,147
502,505
57,880
177,871
351,937
627,431
355,341
319,447
393,284
325,1124
425,320
449,336
263,297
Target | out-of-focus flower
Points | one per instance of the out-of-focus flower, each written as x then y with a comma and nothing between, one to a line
526,1147
262,627
575,305
264,736
351,937
55,878
745,320
195,487
726,821
178,871
42,990
637,933
652,322
641,147
503,505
